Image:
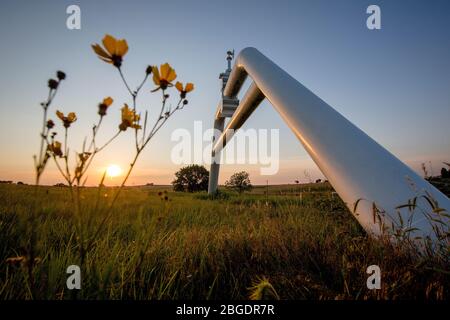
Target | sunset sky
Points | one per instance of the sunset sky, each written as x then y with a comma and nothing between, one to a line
393,83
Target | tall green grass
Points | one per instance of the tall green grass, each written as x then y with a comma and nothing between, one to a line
194,247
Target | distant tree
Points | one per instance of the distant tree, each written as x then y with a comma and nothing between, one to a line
20,183
60,185
191,179
318,180
297,182
239,181
445,173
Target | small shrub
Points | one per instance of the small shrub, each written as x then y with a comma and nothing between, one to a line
240,182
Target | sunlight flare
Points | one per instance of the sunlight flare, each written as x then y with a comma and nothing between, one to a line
113,170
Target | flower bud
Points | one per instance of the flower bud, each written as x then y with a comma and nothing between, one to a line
102,109
52,84
50,124
148,71
123,126
61,75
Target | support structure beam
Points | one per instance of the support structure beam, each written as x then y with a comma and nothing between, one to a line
248,104
215,164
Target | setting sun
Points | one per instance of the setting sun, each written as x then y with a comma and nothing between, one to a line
113,171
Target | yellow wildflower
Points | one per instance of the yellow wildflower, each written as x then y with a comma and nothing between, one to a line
183,91
129,119
113,50
67,120
164,76
102,107
55,148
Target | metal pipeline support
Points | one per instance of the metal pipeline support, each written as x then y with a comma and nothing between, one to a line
363,173
215,157
248,104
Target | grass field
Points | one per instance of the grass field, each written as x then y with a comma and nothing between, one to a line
298,242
